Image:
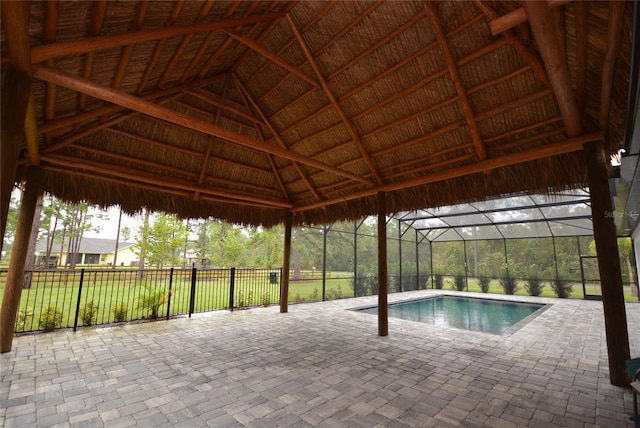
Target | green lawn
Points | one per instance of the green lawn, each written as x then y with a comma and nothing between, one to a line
110,292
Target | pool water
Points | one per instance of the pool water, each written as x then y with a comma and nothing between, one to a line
494,316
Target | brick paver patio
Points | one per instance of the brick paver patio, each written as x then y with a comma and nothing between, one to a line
319,365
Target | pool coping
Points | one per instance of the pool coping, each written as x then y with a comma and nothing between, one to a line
507,332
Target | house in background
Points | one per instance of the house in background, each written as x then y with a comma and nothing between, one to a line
93,251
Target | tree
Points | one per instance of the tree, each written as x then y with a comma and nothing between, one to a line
159,243
12,220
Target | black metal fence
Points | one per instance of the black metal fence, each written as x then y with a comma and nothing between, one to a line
53,299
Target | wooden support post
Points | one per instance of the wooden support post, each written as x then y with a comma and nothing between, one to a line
383,275
15,98
604,232
286,264
13,286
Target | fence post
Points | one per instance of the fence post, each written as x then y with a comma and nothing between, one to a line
232,286
280,286
169,298
192,298
75,322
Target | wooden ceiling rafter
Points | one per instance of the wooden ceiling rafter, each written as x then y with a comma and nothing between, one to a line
42,53
580,8
207,113
523,129
434,167
78,84
50,31
544,32
157,50
567,146
301,173
79,118
424,161
334,102
518,16
274,167
207,154
15,20
98,13
187,151
522,142
185,41
614,34
517,44
155,179
274,58
209,98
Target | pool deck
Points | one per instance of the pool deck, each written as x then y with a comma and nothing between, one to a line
320,365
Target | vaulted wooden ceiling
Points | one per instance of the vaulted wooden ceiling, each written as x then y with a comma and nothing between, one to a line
244,110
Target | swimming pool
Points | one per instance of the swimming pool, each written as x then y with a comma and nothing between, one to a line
488,315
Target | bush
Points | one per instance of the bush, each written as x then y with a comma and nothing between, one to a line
50,318
298,298
119,312
484,283
534,286
315,296
438,281
23,315
89,314
266,299
244,302
459,282
152,300
562,288
509,285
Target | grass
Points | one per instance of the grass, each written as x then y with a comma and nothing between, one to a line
117,297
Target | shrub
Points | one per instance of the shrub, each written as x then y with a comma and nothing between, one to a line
509,285
152,300
266,299
484,283
534,286
459,282
244,302
298,298
50,318
562,288
438,281
119,312
315,296
24,314
89,314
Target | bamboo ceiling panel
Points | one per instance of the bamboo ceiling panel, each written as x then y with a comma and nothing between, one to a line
244,110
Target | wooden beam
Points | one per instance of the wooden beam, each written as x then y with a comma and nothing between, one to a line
568,146
604,233
334,102
286,263
614,30
77,47
15,275
155,179
581,51
517,44
209,98
518,16
481,152
544,32
150,109
92,114
272,57
383,273
245,95
16,88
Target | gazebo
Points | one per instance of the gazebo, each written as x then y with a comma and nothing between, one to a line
268,112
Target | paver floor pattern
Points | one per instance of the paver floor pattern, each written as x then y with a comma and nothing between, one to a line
319,365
